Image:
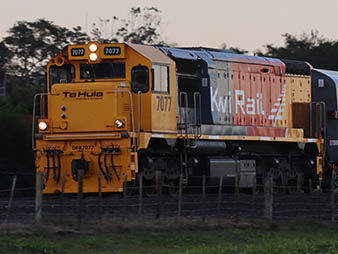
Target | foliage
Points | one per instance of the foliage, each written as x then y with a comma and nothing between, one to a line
20,96
38,246
15,134
234,49
16,156
141,28
313,48
5,55
32,44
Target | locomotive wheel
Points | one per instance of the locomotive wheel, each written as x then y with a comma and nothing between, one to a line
149,188
292,173
148,174
336,180
172,189
276,173
130,190
172,173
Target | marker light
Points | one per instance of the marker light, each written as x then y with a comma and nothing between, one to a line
92,47
42,126
93,57
118,123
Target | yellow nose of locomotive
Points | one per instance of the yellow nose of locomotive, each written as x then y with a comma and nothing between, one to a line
88,124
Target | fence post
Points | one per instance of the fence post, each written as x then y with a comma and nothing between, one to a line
300,181
158,191
333,197
125,195
219,203
180,196
10,199
38,197
203,187
268,197
63,181
310,185
237,191
140,200
254,185
80,174
99,182
125,186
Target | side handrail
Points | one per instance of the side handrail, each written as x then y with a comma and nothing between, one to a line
321,118
183,111
41,95
139,115
198,113
131,112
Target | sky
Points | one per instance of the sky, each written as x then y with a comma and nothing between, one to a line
246,24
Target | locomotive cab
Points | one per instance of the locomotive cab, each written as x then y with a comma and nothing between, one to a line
99,98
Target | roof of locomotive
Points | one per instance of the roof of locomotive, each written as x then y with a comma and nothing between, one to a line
211,55
333,75
152,53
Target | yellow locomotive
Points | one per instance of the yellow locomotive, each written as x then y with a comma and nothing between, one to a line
117,109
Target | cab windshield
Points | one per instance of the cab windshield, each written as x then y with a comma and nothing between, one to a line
61,74
103,71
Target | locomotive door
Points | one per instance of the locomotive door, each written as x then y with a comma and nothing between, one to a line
163,101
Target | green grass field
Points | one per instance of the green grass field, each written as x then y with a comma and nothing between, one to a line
173,237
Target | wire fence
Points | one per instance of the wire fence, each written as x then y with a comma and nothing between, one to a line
204,197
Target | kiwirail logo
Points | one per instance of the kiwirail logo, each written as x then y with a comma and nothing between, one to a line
83,95
223,103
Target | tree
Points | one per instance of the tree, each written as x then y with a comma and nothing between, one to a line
5,55
142,27
234,49
313,48
32,44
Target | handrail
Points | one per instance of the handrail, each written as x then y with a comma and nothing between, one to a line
138,115
131,112
322,116
34,115
139,111
197,97
183,110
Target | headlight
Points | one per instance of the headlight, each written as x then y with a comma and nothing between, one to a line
42,126
93,57
93,47
118,123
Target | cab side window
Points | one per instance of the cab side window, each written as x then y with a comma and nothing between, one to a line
160,78
140,79
61,74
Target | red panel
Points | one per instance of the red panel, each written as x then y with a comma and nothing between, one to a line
267,99
245,85
257,89
236,86
266,131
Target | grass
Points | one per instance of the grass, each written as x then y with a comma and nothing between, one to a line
184,237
